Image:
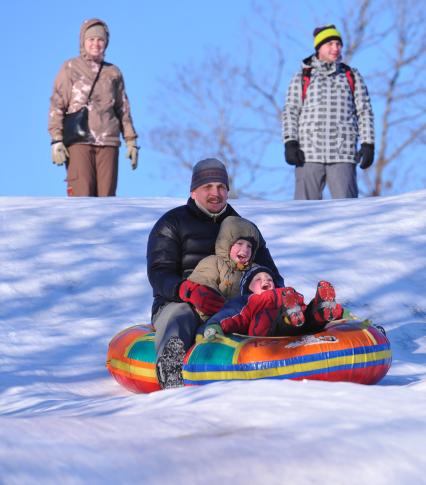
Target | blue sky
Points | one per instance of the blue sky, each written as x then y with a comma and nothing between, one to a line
148,38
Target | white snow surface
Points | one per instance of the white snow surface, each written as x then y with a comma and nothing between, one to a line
73,274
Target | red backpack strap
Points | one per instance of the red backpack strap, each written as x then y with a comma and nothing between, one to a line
349,76
306,79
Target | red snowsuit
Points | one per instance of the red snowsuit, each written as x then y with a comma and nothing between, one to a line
262,316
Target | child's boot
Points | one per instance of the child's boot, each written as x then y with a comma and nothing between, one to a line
293,307
323,307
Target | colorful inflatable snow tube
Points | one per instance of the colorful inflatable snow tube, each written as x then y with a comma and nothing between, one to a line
351,351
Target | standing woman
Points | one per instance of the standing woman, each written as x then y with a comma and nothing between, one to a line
92,162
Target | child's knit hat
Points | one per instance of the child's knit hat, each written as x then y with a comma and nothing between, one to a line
251,273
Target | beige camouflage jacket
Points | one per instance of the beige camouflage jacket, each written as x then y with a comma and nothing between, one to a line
219,271
109,109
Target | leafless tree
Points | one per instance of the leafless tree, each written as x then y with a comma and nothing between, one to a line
205,115
231,107
399,84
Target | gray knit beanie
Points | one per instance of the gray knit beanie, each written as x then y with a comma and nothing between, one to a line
207,171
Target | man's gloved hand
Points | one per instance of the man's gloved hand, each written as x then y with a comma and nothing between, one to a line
205,299
132,153
59,152
366,155
212,331
293,154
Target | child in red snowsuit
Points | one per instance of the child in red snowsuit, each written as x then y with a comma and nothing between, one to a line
264,310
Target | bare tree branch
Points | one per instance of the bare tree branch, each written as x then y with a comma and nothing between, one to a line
232,108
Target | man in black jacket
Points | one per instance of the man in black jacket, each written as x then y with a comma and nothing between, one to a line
178,241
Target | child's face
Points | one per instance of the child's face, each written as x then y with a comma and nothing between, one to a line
240,251
261,282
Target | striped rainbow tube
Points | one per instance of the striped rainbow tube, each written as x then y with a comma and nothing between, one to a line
131,359
351,351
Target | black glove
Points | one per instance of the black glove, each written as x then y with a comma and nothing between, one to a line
293,154
366,155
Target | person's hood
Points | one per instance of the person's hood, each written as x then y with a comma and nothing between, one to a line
86,25
313,62
232,229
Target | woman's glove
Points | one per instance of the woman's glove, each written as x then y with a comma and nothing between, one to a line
59,152
132,153
205,299
212,331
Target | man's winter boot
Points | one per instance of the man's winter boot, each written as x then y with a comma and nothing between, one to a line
169,364
323,307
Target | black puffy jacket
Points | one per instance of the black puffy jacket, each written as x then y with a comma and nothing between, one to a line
178,241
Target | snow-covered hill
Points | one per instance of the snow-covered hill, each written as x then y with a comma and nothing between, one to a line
73,274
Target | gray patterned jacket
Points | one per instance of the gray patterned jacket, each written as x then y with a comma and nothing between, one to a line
328,123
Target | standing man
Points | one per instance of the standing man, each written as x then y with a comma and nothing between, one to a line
327,109
87,80
178,241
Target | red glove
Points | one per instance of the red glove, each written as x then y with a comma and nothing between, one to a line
205,299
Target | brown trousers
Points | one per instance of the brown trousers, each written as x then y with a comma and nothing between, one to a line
92,171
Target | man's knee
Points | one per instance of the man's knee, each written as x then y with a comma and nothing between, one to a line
310,181
175,320
341,180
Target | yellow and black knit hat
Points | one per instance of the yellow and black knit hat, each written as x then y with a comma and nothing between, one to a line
325,34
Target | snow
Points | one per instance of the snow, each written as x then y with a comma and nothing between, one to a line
73,274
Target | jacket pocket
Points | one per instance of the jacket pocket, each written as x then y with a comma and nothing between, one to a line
72,174
348,136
